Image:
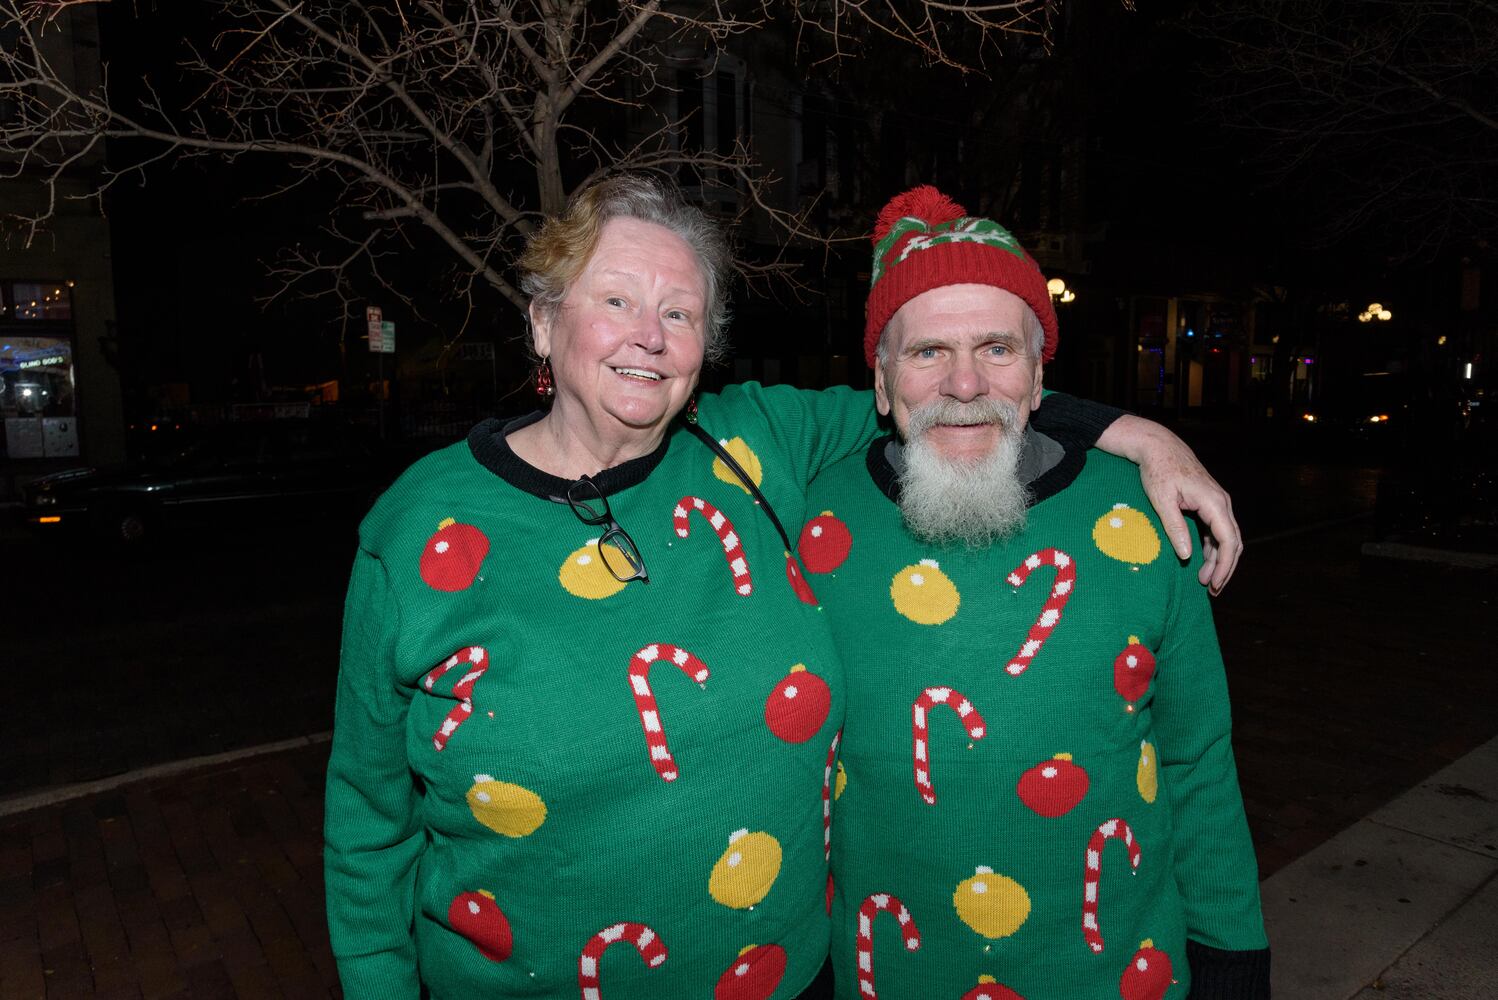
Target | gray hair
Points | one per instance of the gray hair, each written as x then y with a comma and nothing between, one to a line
559,251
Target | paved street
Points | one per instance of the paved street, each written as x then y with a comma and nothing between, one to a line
1353,681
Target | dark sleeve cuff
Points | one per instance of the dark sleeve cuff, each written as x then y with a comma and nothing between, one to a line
1227,975
1062,416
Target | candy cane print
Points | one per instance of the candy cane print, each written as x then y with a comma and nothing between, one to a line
827,795
866,913
733,549
1116,829
919,709
463,690
650,718
643,938
1050,614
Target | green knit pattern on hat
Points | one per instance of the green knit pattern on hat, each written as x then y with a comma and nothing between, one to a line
968,229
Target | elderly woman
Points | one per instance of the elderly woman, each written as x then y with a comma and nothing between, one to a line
586,698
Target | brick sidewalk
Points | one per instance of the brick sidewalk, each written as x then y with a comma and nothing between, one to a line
208,885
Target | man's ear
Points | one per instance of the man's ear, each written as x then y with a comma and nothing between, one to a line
540,331
881,391
1039,380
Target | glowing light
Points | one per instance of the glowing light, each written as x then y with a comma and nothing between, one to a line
1440,341
1055,286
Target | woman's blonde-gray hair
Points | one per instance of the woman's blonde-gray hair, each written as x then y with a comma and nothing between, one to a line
559,251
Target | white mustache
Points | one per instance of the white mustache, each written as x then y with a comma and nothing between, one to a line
956,413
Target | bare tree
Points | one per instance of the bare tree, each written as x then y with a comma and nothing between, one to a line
459,121
1381,114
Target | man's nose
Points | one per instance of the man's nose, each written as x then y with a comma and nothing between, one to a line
964,381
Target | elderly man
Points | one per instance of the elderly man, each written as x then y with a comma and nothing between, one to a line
1037,795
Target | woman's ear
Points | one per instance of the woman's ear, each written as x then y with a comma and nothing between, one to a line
540,331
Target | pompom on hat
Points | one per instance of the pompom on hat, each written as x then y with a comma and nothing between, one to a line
925,240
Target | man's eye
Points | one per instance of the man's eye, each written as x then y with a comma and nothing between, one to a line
999,350
615,300
926,353
676,314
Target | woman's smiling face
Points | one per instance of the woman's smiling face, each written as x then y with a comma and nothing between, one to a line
626,344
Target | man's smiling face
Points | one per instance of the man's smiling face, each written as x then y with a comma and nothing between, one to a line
951,347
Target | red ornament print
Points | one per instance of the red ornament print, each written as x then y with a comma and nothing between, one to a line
1148,974
824,544
451,558
754,975
1053,787
476,916
798,706
1133,670
651,950
989,989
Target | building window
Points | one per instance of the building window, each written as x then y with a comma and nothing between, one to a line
36,300
713,115
37,381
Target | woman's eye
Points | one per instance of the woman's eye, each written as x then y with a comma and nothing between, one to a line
615,300
677,315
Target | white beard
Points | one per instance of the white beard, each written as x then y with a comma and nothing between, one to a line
977,501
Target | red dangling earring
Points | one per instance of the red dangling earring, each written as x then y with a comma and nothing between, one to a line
544,387
692,409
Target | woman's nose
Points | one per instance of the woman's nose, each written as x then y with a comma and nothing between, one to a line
649,333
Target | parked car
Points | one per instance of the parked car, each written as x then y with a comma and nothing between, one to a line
229,474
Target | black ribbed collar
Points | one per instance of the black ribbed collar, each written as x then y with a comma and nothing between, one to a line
491,450
1055,479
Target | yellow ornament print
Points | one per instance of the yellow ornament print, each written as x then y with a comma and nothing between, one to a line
505,808
1126,535
841,783
746,458
1147,775
745,872
923,593
583,573
994,906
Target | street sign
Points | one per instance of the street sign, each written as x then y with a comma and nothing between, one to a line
387,338
375,328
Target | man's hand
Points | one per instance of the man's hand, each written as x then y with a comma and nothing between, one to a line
1176,482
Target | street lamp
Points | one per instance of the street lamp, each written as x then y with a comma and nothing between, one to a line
1059,291
1375,311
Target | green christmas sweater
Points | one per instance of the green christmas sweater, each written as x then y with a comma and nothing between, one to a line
1036,795
533,763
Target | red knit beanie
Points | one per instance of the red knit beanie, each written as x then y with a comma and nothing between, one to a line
925,240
